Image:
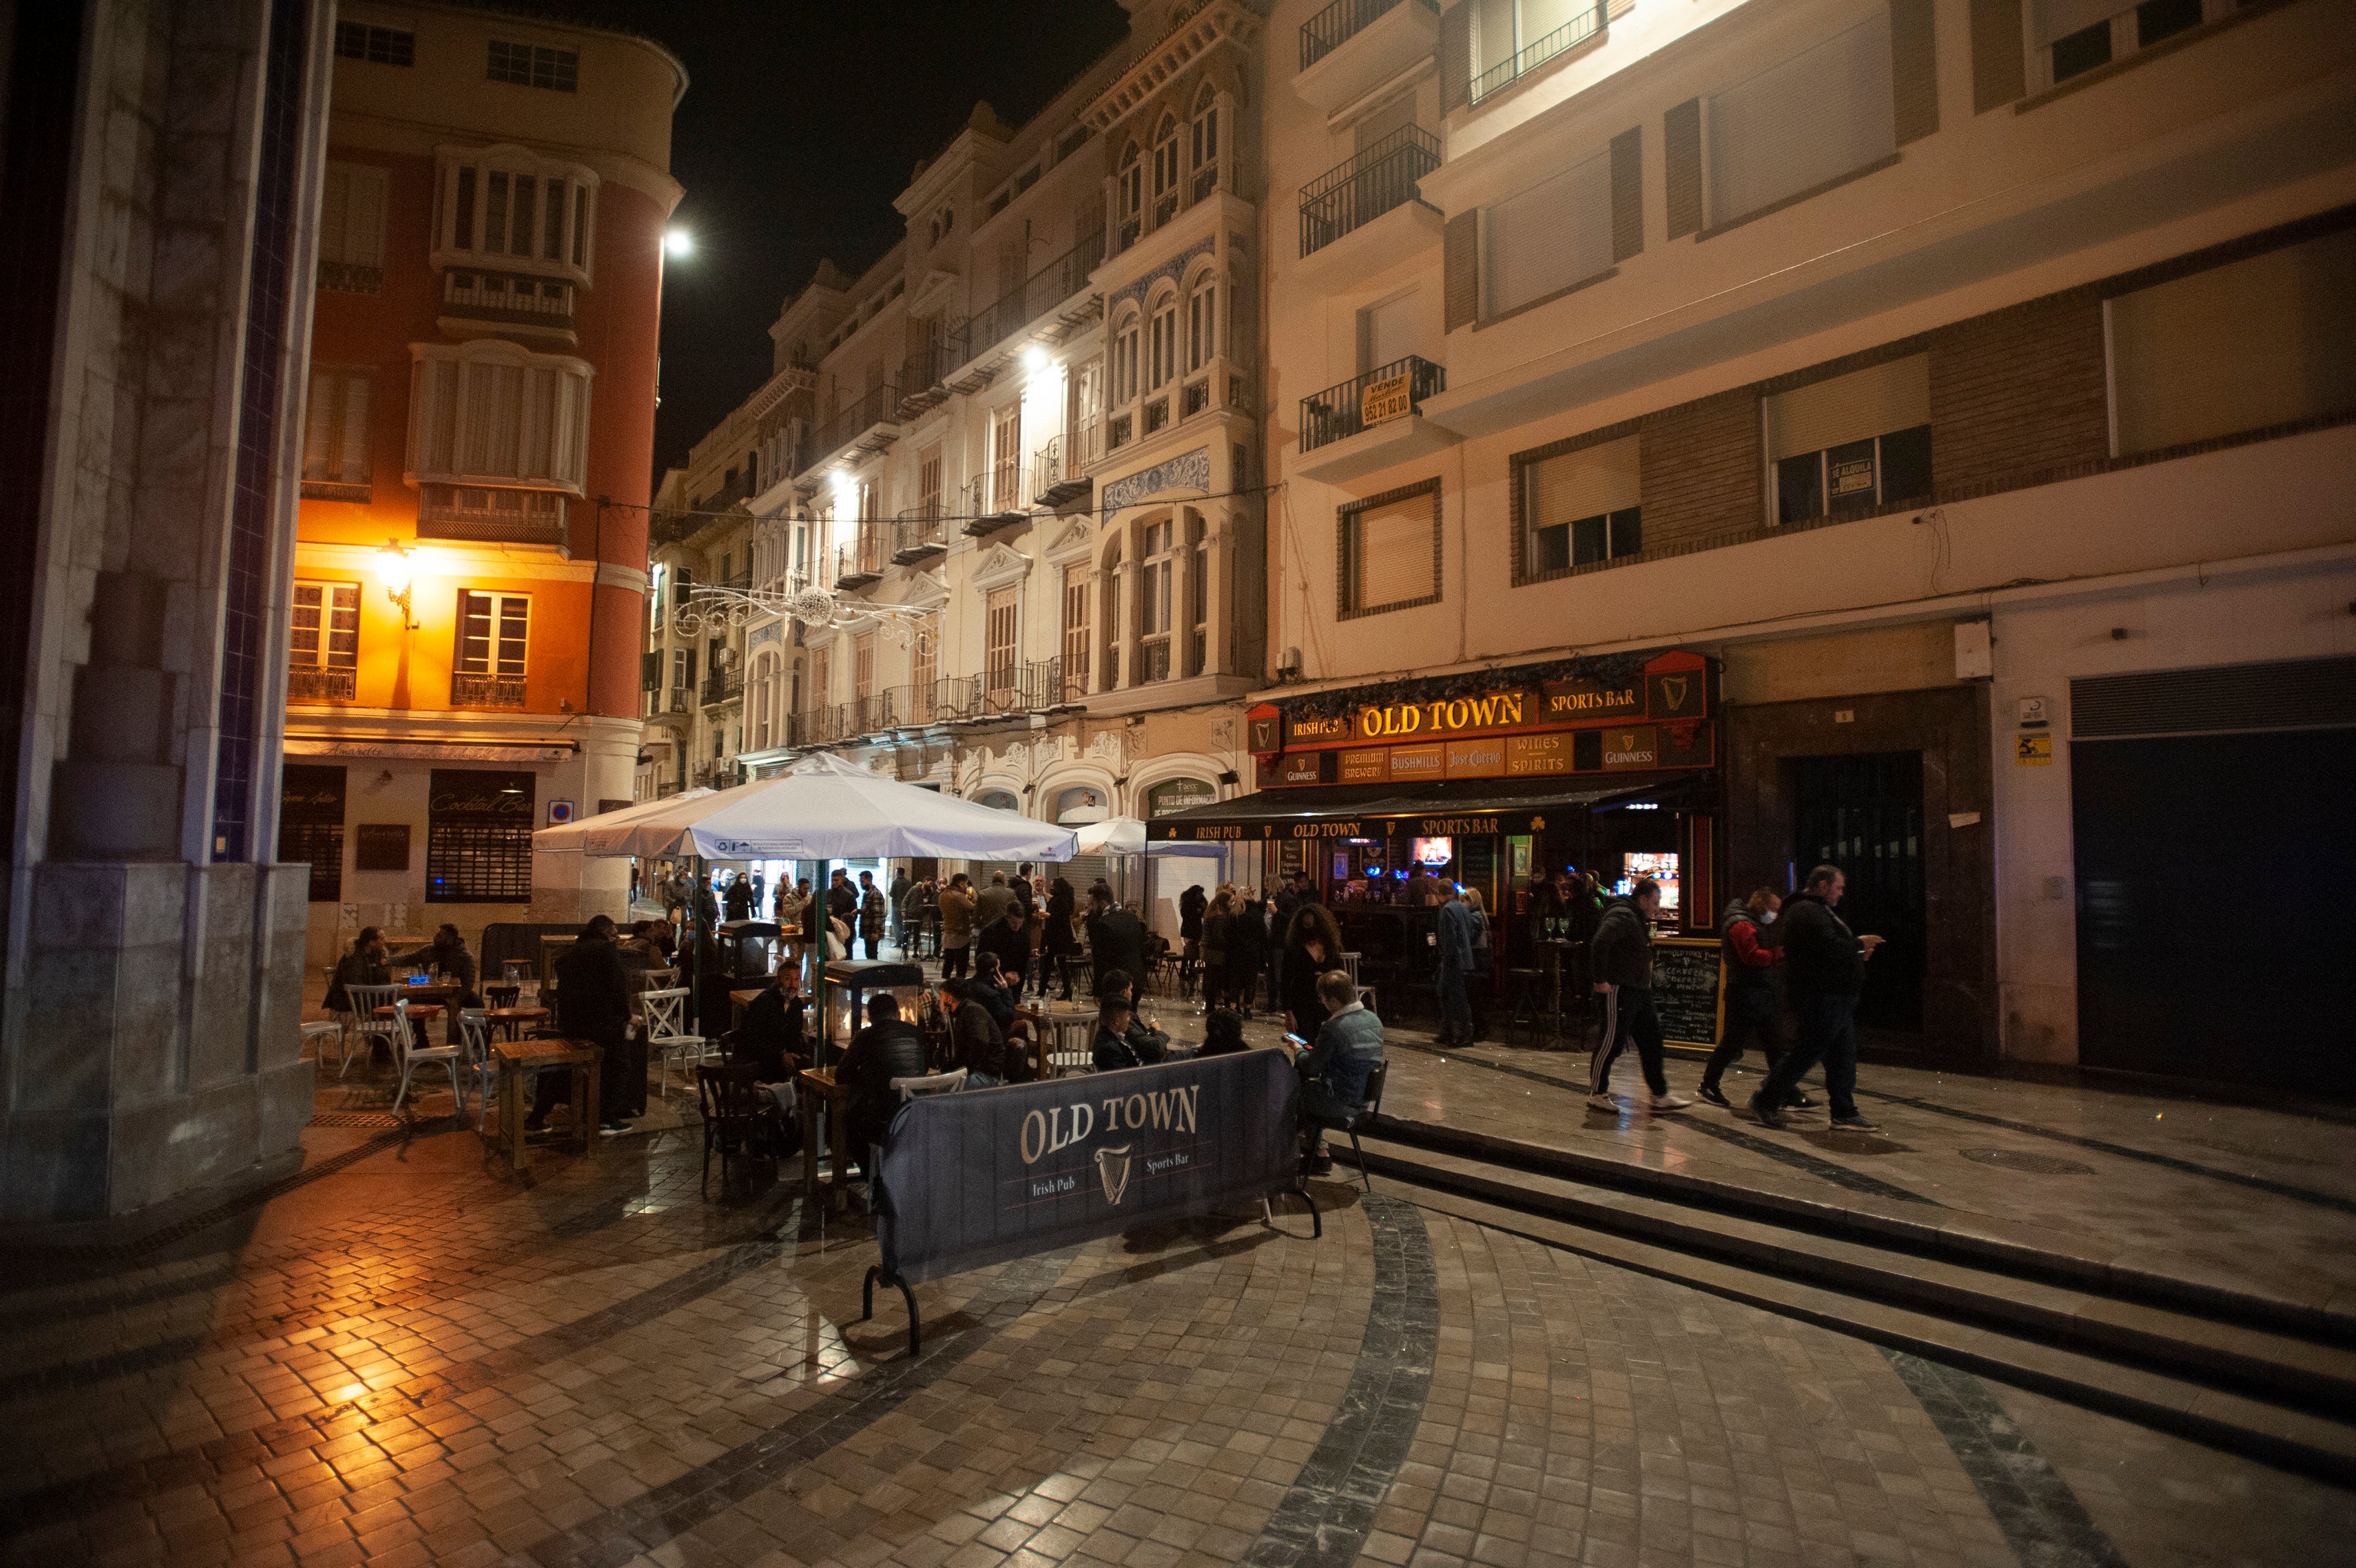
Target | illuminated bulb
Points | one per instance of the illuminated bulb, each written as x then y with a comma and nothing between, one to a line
392,568
678,241
1034,359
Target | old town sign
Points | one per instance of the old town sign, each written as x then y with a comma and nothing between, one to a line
1639,717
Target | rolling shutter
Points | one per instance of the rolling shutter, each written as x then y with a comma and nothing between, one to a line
1854,407
1628,193
1999,74
1681,147
2228,699
1462,271
1914,68
1586,483
1456,56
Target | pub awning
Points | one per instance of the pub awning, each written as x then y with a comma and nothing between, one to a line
1462,806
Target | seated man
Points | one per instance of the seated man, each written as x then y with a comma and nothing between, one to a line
1223,1033
976,1042
771,1034
1146,1043
887,1048
1003,998
1112,1049
1334,1071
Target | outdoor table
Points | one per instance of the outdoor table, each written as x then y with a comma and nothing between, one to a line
520,1062
739,1001
817,1090
513,1019
1558,951
420,1015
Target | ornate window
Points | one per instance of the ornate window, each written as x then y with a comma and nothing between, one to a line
1162,339
336,436
498,435
1165,170
1076,631
1203,322
1129,188
1154,601
1205,148
507,209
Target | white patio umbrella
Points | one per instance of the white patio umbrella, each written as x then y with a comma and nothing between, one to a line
1126,835
568,837
825,809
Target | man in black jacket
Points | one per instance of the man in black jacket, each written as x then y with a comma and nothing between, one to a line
1621,960
592,1003
1824,970
1115,942
1008,936
887,1048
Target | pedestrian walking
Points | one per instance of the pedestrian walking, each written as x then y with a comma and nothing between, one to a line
1484,964
1824,970
738,899
1754,994
1062,943
871,914
1217,922
1621,966
956,928
1453,938
1247,951
1193,906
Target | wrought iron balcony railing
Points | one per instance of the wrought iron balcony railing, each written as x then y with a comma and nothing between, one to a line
1339,412
1342,21
1359,190
1505,72
1042,292
312,684
486,690
919,534
881,406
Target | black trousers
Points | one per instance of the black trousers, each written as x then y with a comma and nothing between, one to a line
1750,1020
1628,1018
955,962
615,1100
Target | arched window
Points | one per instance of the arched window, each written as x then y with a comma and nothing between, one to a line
1202,321
1111,616
1129,186
1162,342
1165,170
1153,600
1205,148
760,698
1124,360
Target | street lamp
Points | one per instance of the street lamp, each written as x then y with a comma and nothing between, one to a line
393,570
678,241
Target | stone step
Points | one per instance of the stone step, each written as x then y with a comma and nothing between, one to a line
2025,1252
2303,1440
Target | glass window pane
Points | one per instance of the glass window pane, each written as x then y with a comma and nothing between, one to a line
1590,537
1848,478
1906,466
1627,531
1552,548
1799,488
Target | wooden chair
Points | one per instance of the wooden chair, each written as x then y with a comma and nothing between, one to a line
734,1103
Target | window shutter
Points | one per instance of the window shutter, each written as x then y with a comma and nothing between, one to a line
1999,75
1584,483
1810,118
1681,146
352,466
335,204
363,227
1397,559
1854,407
318,416
1462,267
1542,240
1914,68
1456,56
1628,194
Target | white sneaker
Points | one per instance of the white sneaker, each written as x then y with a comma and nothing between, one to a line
1603,1102
1670,1102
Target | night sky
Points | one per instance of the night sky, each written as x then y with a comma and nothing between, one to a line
801,123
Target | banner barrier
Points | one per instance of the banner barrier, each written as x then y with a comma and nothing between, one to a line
987,1176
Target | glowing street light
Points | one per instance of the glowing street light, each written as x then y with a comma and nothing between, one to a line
678,241
393,569
1034,359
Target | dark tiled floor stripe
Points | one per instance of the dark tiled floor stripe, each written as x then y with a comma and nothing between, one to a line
97,1368
93,1304
647,1522
1324,1518
2121,1151
2041,1518
205,1464
1781,1153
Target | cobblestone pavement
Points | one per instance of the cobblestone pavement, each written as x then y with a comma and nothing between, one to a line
407,1356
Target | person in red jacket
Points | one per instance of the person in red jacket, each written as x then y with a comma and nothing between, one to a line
1754,1000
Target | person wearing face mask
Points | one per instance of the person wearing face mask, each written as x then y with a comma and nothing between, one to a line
1754,997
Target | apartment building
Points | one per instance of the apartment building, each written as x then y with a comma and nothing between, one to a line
1946,403
470,578
1018,454
162,190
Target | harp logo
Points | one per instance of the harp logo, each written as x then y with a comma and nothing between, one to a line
1673,687
1112,1171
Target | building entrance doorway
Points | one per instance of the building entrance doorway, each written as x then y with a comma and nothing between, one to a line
1864,814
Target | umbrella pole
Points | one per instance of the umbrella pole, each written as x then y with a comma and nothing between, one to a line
702,941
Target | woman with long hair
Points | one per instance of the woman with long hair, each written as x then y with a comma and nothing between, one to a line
1218,921
1312,947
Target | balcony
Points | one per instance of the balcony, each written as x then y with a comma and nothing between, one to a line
1365,214
1353,46
1060,288
920,535
486,690
920,377
861,562
723,686
664,707
1009,690
872,423
997,500
481,515
1581,28
537,305
312,684
350,278
1056,485
1371,421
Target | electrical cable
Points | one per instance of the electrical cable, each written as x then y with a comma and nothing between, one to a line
944,517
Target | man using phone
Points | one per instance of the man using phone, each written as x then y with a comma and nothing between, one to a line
1824,966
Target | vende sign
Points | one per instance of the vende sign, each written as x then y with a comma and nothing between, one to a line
981,1178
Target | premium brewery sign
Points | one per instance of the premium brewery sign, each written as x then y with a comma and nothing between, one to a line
982,1177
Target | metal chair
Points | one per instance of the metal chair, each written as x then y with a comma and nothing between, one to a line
1373,1107
668,1041
323,1030
733,1104
482,1065
909,1089
410,1054
367,1025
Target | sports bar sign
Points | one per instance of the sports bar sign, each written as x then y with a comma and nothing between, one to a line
1652,718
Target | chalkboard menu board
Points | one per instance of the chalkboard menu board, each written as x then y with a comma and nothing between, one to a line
1684,989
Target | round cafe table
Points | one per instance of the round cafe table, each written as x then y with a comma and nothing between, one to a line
513,1019
420,1015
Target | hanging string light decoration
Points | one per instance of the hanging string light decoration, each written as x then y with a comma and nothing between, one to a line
711,606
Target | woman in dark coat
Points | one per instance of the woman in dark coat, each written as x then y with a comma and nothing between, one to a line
1246,952
1312,946
1062,942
